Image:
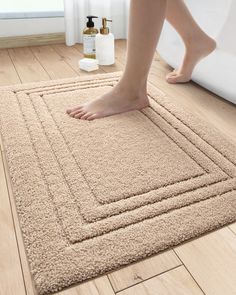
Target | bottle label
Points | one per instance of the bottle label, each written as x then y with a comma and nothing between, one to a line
89,44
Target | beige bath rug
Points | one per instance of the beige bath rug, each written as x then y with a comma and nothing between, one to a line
93,196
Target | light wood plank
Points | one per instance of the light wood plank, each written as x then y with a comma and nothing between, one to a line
11,278
8,74
143,270
174,282
27,66
72,56
29,284
99,286
53,63
233,227
121,50
211,260
1,143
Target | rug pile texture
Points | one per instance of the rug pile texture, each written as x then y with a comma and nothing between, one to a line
94,196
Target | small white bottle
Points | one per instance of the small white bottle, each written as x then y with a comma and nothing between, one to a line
105,45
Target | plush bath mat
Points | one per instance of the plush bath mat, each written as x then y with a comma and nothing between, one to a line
93,196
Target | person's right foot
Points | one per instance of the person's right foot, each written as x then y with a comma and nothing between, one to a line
113,102
197,50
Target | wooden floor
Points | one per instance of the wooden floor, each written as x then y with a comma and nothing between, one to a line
202,266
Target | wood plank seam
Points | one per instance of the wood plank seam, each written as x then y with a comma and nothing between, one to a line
65,61
231,229
13,221
14,65
39,62
110,283
144,280
189,272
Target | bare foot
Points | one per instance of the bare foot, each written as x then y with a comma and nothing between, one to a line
114,102
197,50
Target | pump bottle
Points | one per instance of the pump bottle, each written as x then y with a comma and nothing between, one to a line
89,34
104,43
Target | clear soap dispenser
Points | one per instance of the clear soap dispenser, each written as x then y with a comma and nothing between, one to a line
89,34
104,43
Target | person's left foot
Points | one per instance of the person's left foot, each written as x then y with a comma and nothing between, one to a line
200,48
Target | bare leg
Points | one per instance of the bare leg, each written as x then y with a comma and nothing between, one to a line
197,43
145,24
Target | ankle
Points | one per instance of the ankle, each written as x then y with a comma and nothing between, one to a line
132,91
196,40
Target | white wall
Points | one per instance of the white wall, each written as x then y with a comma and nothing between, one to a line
228,41
34,26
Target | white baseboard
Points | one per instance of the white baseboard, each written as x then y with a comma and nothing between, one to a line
31,26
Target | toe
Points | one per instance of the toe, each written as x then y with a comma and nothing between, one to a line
69,111
178,79
86,116
92,117
80,114
74,113
170,75
171,78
